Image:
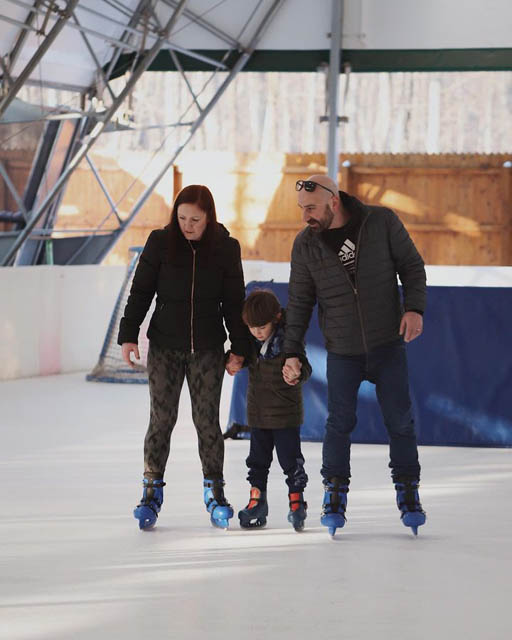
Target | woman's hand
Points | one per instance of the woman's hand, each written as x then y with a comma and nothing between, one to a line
127,349
234,364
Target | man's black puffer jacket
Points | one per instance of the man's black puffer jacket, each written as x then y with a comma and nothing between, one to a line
355,318
195,293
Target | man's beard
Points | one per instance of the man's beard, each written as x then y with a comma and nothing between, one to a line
325,221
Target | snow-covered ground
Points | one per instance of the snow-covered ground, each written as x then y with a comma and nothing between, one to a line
75,566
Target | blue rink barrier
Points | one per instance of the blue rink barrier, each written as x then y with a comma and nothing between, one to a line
460,373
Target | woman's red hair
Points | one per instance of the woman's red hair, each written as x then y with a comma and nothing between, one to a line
202,197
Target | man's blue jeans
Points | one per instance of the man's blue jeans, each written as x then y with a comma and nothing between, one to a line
386,367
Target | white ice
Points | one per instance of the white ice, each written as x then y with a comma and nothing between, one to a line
74,564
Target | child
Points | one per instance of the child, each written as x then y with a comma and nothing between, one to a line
274,412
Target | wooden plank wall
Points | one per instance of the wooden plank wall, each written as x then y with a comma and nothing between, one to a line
84,205
458,209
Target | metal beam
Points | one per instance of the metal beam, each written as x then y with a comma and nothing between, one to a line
121,8
137,14
103,187
187,52
239,65
52,160
8,81
89,141
20,41
185,80
17,23
333,87
13,190
120,43
54,85
198,56
95,59
92,32
178,66
34,61
207,26
125,26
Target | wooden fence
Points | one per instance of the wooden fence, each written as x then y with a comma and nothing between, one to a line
457,208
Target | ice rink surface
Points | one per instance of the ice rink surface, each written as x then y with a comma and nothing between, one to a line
75,566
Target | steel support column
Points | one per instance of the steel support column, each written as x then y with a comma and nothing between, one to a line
333,88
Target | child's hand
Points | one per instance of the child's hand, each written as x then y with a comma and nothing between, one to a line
292,370
234,364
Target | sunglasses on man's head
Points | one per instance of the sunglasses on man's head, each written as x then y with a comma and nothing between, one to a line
310,185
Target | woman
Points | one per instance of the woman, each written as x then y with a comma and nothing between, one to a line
195,269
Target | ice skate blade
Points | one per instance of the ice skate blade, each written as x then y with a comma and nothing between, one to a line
333,521
259,523
298,526
413,520
220,524
146,521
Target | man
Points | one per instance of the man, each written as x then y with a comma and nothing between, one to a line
347,259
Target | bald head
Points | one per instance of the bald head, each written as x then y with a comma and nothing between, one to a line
321,208
325,181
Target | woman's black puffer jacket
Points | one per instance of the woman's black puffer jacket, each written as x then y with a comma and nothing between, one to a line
197,291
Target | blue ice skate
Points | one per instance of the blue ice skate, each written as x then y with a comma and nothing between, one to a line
146,512
255,513
408,501
334,505
216,504
298,510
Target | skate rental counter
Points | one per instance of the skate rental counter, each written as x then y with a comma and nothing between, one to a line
460,370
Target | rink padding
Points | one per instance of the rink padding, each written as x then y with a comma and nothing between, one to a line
460,373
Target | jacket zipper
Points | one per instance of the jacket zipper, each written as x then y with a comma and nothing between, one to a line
192,298
354,288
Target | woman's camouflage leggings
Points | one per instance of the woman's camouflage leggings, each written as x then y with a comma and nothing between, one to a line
204,371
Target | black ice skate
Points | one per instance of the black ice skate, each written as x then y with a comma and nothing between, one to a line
408,501
146,512
334,505
216,504
298,507
255,513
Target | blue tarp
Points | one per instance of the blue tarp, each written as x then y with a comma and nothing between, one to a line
460,373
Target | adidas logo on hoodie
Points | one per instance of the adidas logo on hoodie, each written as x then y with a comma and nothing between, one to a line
347,255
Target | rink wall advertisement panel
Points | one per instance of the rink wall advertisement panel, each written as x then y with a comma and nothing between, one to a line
460,373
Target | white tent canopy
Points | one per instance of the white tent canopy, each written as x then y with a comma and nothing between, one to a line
371,28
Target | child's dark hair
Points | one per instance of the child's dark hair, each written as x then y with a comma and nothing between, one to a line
260,307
